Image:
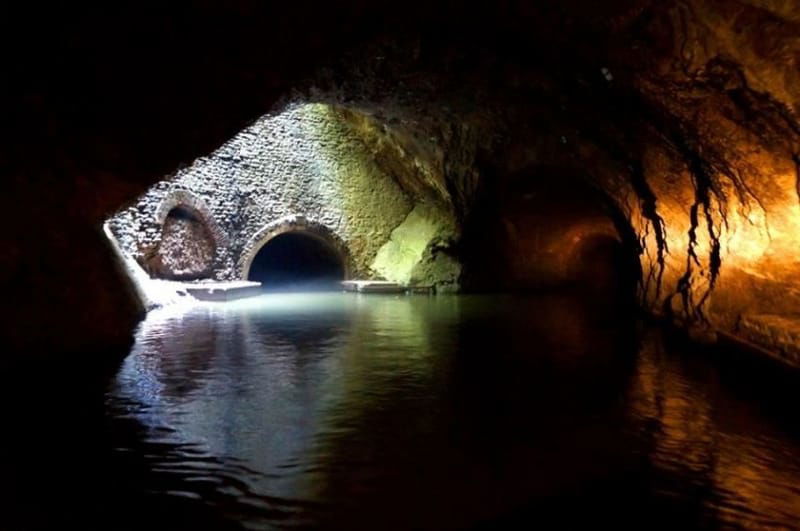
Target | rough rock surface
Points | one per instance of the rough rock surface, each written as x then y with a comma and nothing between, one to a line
304,161
412,253
778,332
186,250
683,113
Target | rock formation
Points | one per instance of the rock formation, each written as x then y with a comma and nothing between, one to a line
680,117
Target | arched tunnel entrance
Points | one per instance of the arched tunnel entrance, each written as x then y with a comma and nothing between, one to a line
605,269
548,229
187,247
297,261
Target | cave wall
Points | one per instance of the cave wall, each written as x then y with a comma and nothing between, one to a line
186,248
301,162
718,154
96,106
682,112
533,234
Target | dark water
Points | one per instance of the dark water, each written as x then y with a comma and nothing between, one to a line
381,412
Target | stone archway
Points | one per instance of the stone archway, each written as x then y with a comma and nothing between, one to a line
327,241
189,239
550,228
189,200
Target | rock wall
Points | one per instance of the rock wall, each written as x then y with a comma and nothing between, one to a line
683,113
715,180
304,162
417,251
186,249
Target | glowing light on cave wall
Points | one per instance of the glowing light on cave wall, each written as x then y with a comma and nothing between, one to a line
748,237
763,236
758,236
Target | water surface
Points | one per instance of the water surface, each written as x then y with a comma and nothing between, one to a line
384,412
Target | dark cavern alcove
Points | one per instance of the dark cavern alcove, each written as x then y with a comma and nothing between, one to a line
579,220
547,229
296,261
186,249
603,269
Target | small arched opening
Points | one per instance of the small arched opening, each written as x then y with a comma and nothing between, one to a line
297,261
187,247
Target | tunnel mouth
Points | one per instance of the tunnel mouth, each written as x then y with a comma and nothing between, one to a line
297,261
605,272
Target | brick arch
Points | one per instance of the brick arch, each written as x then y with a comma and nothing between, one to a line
292,224
190,201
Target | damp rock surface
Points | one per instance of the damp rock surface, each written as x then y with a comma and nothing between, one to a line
683,113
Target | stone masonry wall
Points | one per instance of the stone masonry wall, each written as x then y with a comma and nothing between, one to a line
304,162
186,250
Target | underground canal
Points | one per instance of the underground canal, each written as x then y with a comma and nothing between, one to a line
401,267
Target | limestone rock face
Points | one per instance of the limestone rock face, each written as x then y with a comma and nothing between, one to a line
412,253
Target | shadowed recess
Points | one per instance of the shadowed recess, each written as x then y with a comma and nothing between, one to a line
606,271
296,261
186,250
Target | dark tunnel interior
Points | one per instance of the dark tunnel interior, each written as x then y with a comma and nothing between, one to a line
297,261
606,272
550,231
184,213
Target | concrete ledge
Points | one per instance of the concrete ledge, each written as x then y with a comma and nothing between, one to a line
223,291
776,334
384,286
373,286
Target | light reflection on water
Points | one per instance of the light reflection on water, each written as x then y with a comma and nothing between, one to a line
353,411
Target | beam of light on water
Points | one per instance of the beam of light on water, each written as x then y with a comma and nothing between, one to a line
310,406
